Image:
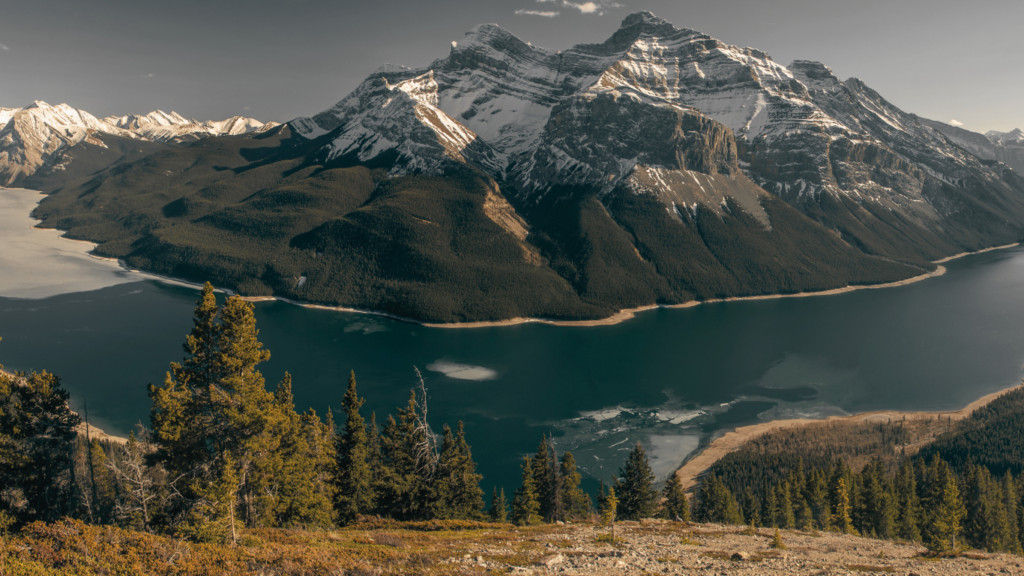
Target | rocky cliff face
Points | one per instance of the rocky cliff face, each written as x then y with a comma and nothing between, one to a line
1005,147
656,99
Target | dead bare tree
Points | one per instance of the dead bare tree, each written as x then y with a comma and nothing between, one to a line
425,450
135,478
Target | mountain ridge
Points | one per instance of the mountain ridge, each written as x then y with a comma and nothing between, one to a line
37,135
660,166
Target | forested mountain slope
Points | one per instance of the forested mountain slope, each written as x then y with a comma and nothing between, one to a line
506,180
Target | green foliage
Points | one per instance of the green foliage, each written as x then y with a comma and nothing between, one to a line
525,503
498,511
214,409
944,508
37,447
841,508
406,464
716,503
635,487
353,477
455,485
776,542
675,506
609,508
576,502
990,437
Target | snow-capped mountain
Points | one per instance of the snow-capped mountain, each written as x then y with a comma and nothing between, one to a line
157,117
1012,138
6,114
1006,147
657,108
160,126
39,134
400,118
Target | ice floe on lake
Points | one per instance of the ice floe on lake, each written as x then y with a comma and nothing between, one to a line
462,371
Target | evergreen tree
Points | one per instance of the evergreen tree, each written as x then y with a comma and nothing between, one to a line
37,447
213,518
1010,504
499,507
675,505
373,455
525,505
456,492
769,505
841,519
409,460
214,408
751,508
717,503
543,476
908,505
880,501
818,499
945,510
785,516
609,510
576,501
104,488
635,487
295,483
353,478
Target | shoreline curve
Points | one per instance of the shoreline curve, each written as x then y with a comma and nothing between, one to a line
616,318
699,463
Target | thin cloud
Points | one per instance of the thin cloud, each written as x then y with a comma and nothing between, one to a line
4,47
147,75
593,7
585,8
544,13
956,123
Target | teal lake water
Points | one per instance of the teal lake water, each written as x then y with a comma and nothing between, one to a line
665,378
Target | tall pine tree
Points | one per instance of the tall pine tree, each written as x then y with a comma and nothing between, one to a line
675,505
353,477
576,501
525,504
635,487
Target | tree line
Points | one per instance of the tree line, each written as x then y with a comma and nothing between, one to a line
223,453
925,502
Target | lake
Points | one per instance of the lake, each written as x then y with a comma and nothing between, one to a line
666,378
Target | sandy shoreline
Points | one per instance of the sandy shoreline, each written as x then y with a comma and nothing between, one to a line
731,441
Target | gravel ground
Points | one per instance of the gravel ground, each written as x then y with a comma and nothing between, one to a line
674,548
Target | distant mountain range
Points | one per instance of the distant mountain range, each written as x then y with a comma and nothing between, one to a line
39,135
506,180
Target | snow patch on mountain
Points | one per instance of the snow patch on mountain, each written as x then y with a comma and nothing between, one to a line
572,118
33,136
6,114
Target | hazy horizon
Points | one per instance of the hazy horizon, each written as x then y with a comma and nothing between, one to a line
948,61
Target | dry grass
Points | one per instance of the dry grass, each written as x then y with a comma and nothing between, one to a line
70,547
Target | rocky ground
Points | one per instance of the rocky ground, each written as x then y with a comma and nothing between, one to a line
375,547
673,548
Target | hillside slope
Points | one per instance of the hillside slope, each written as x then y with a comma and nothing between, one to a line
475,548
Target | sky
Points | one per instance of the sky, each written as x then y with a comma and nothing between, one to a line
956,61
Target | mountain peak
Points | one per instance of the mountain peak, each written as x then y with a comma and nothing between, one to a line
643,17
